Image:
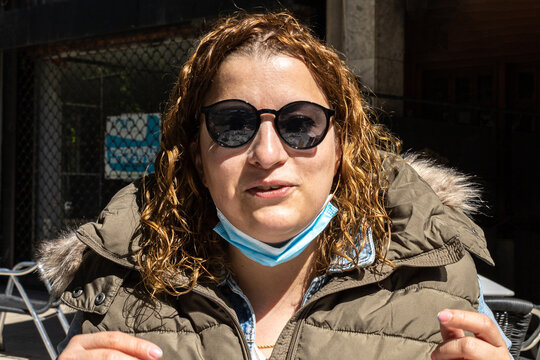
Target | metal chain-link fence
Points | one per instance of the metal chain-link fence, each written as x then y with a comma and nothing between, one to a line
88,124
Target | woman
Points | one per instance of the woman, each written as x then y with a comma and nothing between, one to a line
279,223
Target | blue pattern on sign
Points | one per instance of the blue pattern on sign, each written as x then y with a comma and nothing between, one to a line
131,155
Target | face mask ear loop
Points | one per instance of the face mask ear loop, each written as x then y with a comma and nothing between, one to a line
338,175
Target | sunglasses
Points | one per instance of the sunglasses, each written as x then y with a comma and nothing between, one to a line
300,124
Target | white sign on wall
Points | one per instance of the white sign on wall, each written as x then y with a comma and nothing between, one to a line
131,145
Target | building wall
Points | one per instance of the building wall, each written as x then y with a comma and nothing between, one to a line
475,66
371,36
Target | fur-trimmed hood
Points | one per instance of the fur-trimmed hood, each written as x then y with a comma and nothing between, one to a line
425,200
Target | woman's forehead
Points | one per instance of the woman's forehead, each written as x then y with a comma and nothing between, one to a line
279,78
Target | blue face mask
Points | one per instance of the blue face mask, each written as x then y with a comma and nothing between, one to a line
268,255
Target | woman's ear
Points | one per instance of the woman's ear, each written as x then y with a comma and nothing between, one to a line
196,157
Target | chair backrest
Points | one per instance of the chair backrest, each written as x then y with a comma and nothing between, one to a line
24,304
21,270
513,316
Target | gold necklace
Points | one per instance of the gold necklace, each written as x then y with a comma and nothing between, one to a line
265,346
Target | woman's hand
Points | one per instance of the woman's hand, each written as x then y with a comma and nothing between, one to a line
487,343
108,345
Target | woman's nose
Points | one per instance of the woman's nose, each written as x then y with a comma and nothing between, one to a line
266,149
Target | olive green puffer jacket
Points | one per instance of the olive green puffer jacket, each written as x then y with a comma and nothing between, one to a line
388,314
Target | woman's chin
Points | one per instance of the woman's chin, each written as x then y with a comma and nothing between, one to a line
273,225
275,235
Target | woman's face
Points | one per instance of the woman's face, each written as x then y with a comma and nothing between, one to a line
265,188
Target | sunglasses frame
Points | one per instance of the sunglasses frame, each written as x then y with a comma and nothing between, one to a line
327,112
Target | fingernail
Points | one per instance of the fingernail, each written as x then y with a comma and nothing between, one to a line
444,316
155,352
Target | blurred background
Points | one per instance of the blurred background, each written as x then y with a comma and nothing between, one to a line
83,85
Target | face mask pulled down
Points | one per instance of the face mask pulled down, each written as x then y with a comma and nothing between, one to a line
268,255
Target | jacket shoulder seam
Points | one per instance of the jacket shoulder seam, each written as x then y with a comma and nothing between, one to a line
424,287
102,328
157,331
380,334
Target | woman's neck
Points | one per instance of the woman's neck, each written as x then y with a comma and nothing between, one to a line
273,288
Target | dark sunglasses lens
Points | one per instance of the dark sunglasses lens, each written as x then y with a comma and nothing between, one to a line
231,124
302,125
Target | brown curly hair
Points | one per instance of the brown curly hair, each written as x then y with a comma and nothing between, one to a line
179,214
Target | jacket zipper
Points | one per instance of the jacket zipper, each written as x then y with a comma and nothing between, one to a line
232,316
309,305
294,340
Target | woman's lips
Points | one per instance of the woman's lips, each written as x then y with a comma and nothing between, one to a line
270,191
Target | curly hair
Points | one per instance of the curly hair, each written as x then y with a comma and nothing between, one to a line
179,247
